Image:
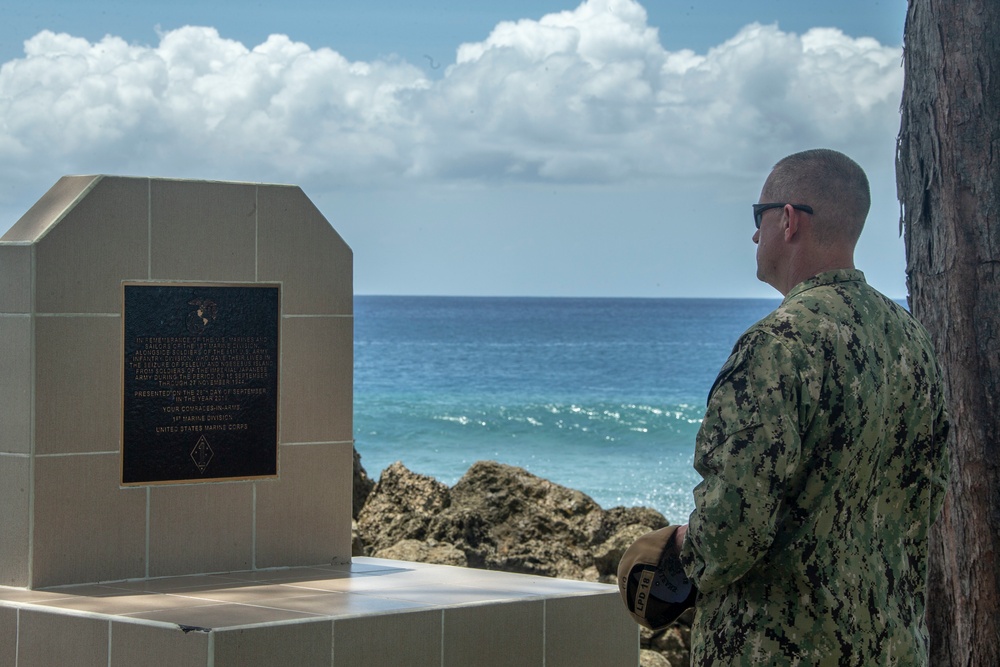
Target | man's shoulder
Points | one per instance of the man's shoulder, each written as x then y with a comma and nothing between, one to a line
840,298
830,310
840,318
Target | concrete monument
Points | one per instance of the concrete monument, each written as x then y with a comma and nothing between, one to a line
176,404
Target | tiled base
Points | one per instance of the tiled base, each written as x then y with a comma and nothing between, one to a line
370,613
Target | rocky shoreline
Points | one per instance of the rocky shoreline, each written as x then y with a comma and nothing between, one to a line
500,517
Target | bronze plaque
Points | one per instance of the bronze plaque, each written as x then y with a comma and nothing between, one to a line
199,382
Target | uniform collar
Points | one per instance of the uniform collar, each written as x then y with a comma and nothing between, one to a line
827,278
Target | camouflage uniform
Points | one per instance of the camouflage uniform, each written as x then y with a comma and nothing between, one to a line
824,463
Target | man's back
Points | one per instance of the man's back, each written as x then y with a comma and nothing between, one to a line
823,459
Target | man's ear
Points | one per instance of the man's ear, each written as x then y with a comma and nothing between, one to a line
790,222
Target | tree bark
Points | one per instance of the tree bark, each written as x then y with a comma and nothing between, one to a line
948,177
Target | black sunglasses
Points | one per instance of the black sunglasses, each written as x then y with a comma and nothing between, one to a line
758,210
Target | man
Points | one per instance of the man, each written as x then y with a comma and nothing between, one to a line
822,451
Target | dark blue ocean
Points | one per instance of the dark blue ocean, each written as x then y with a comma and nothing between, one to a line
601,395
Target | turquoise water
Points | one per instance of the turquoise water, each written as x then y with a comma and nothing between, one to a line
601,395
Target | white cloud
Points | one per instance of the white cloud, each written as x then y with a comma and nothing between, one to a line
588,95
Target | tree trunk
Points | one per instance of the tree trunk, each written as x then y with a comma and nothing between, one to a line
948,176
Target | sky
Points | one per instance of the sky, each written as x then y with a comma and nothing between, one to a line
543,148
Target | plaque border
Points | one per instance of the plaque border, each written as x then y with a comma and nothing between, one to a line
277,391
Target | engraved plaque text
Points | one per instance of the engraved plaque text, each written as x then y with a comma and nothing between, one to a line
200,382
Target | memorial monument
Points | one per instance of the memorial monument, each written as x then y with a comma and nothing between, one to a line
176,369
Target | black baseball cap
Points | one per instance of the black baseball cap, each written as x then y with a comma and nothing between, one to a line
652,582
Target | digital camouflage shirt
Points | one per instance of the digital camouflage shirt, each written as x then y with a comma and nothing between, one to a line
824,463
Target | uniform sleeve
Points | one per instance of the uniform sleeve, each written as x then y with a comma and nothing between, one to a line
746,450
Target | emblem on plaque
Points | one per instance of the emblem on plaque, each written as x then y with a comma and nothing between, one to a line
205,311
202,454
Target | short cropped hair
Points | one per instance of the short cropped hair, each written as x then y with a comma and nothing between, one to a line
834,185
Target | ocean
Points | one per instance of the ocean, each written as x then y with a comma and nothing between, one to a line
604,395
